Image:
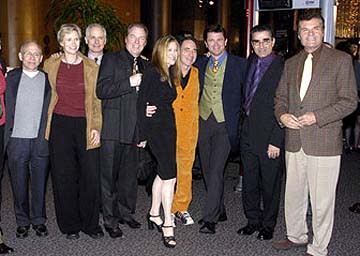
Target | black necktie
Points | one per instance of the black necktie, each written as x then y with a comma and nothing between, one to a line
96,59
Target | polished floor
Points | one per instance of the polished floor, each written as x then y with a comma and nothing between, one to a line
345,240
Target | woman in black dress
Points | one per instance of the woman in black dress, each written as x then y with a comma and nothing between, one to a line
158,131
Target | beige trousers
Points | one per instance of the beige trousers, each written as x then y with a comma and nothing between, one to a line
317,175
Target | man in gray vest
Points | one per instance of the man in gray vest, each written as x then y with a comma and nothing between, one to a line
27,99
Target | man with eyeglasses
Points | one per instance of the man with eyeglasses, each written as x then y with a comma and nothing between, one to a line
118,84
316,91
261,139
27,100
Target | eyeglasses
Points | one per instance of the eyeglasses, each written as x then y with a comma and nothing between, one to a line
265,42
32,54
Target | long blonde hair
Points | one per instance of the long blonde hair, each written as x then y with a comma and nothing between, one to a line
159,58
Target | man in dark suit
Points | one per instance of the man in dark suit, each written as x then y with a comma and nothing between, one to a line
316,91
27,100
221,76
261,138
119,80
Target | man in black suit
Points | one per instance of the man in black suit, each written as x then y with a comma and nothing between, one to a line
261,140
221,76
119,80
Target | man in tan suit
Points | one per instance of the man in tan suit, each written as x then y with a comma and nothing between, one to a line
316,91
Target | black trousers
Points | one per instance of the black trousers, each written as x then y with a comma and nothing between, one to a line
261,182
2,161
27,167
118,172
75,176
214,148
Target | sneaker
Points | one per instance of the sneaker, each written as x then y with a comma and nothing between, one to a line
239,186
185,218
173,220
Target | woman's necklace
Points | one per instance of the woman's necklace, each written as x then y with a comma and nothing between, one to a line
68,64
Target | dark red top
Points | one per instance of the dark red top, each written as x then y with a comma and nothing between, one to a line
70,88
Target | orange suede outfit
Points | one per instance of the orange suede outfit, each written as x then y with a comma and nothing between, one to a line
186,111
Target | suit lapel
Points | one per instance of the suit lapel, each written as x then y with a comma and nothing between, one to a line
320,66
299,66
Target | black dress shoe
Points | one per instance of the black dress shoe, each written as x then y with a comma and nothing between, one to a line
132,223
4,249
208,228
22,231
40,230
197,175
265,234
248,230
114,232
72,236
96,234
222,217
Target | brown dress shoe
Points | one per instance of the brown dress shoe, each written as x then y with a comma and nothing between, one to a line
286,244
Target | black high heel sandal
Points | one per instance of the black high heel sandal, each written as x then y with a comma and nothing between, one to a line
151,223
169,241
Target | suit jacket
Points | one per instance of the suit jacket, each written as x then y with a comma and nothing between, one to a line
261,128
118,97
331,95
92,103
13,80
231,93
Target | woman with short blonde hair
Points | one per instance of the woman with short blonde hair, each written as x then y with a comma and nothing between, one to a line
73,129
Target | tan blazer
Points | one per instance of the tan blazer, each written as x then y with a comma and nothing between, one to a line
92,103
331,95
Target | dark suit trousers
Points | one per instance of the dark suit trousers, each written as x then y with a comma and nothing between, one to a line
261,181
214,149
2,164
25,165
75,176
118,171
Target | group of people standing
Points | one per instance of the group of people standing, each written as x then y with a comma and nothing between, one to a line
89,117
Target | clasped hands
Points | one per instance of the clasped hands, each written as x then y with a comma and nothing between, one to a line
293,122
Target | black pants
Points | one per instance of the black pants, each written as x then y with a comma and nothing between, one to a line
118,171
214,149
261,182
26,166
75,176
2,161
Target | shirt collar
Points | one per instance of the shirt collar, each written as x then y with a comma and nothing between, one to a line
92,57
221,59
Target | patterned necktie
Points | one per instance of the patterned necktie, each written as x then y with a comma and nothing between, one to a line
135,68
306,76
215,68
